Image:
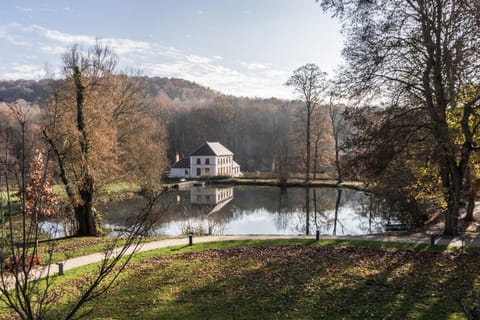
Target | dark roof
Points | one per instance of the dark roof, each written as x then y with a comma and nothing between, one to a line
212,149
183,163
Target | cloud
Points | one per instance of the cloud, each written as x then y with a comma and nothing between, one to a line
52,10
24,9
53,49
63,38
24,71
153,59
124,46
9,36
253,66
43,9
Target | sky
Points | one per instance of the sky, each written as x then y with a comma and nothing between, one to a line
239,47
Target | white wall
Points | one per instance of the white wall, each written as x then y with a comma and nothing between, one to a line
212,168
179,173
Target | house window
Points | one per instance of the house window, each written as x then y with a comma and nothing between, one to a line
207,170
199,172
186,172
207,161
198,160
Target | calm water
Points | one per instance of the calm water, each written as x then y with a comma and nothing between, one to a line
254,210
248,210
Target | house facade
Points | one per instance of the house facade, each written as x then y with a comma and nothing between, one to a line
210,159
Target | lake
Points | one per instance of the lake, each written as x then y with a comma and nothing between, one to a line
249,210
254,210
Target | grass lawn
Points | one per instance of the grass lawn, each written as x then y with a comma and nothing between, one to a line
287,279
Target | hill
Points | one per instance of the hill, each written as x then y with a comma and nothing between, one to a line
176,89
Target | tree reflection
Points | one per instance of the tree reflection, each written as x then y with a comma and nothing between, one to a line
284,210
337,206
307,211
264,210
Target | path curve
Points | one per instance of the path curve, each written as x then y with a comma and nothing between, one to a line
472,240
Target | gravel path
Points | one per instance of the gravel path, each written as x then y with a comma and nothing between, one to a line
471,240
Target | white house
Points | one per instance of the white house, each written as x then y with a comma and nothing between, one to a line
210,159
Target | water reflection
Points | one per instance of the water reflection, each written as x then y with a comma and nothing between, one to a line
204,204
256,210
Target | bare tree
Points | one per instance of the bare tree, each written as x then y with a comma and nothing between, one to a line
309,82
97,121
424,54
321,140
28,282
338,127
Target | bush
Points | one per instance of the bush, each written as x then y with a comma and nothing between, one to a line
18,262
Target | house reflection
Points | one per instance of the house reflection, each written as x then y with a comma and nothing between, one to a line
214,198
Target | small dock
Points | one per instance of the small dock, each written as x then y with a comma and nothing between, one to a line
182,185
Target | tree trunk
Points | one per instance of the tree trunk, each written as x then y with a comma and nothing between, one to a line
309,144
86,220
337,160
470,207
471,185
472,193
454,201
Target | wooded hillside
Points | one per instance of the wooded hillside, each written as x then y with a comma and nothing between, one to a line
262,133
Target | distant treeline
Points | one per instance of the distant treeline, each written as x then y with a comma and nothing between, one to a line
262,133
38,91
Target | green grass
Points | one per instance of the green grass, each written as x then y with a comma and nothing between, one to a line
108,189
119,187
76,247
287,279
12,197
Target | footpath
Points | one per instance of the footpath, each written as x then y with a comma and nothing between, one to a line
469,240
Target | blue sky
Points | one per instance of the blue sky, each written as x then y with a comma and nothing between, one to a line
239,47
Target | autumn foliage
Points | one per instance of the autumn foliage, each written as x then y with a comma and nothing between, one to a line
40,199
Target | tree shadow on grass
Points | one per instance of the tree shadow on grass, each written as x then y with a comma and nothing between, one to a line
292,282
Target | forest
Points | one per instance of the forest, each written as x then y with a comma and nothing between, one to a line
260,132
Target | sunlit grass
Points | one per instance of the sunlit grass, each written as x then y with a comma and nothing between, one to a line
119,187
285,279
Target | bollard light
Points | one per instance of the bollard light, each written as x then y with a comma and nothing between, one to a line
60,268
432,240
190,238
317,235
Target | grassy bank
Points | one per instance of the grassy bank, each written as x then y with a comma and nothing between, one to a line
285,184
288,279
69,248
